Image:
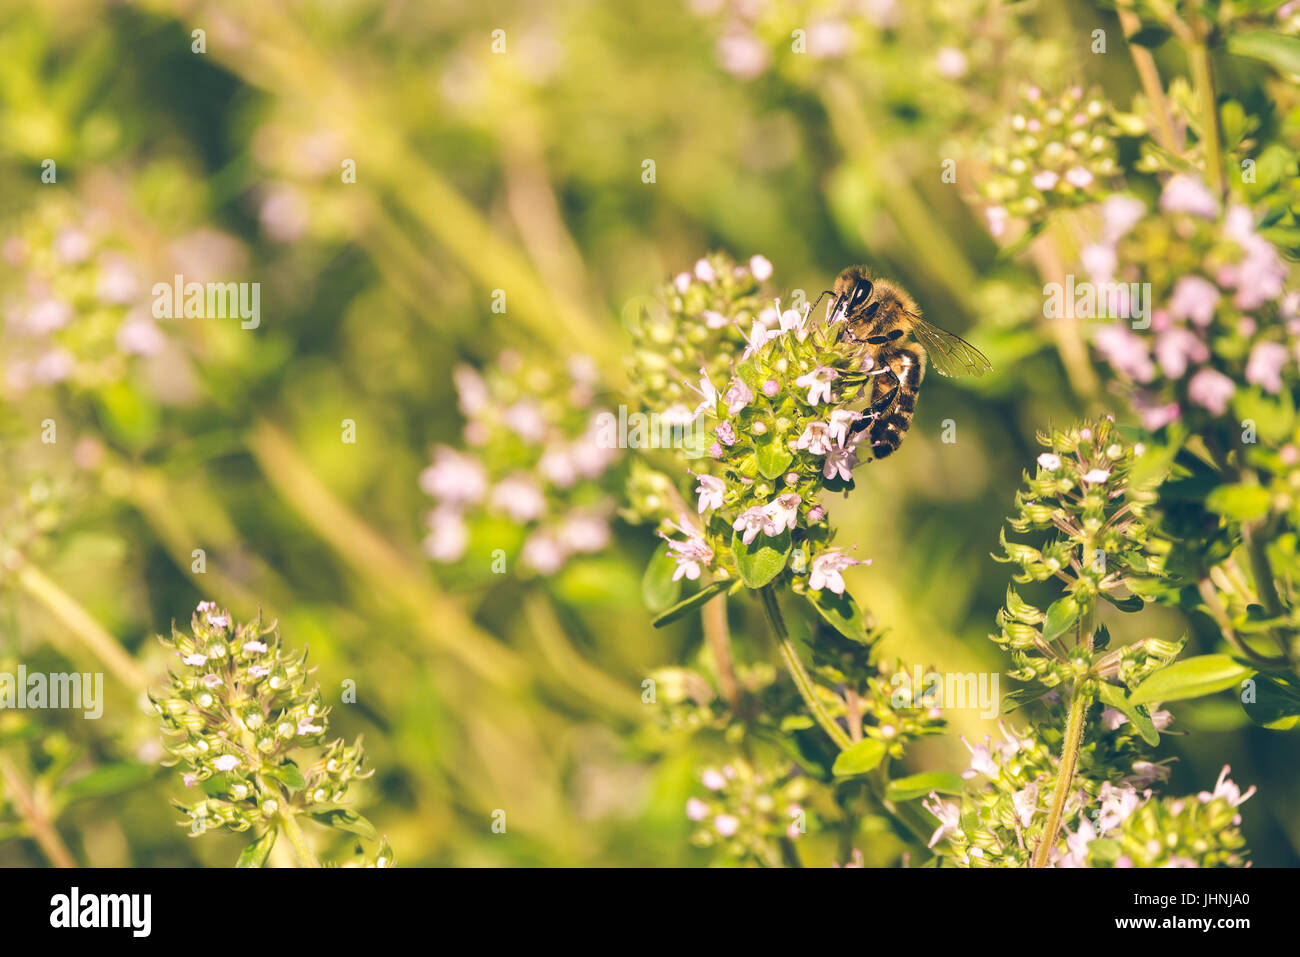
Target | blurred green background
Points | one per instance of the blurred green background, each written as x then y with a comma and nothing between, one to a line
477,170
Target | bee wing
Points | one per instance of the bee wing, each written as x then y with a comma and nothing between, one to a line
951,355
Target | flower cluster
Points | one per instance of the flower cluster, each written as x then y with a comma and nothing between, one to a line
782,431
528,480
749,812
1096,541
1055,152
250,730
76,307
694,323
1112,817
1221,319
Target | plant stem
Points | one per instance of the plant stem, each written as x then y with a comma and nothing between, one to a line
797,672
1150,77
296,840
1069,758
43,830
83,626
713,616
1198,54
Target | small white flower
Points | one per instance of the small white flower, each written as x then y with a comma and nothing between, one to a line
1096,476
826,569
254,647
750,523
227,762
195,659
760,267
1049,462
711,490
818,383
781,514
816,438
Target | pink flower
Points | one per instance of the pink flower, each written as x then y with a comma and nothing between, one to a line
818,382
713,779
738,396
742,55
1187,194
1045,180
1025,803
1264,367
1154,416
715,320
448,535
696,810
1259,276
760,267
519,497
1175,348
1078,177
826,569
1226,789
828,39
704,271
1049,462
1099,260
710,490
771,387
948,813
951,63
1194,298
1119,215
1126,351
1211,390
543,552
841,419
749,523
781,514
691,556
725,433
816,438
726,824
454,478
840,461
996,219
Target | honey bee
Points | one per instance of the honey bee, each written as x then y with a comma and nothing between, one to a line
885,322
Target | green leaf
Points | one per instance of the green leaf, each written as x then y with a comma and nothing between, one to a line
761,560
773,459
289,774
1023,696
1130,604
1272,415
920,785
1061,614
841,612
1276,706
1241,503
1191,678
255,854
1150,37
658,590
345,819
109,779
864,756
688,605
1136,713
796,722
1276,49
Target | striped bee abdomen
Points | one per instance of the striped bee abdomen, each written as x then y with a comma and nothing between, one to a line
894,412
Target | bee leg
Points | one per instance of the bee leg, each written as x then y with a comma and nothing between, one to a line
879,407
